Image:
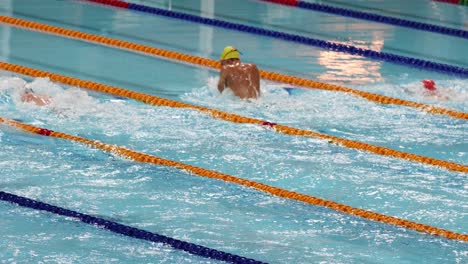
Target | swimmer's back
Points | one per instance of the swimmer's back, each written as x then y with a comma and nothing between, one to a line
243,79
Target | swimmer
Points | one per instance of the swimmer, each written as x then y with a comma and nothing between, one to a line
429,85
242,78
38,99
432,91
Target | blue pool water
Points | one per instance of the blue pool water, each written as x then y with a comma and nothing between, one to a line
213,213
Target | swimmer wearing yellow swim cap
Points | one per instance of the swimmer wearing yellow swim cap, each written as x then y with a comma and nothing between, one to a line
242,78
229,52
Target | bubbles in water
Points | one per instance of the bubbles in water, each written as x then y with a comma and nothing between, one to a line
275,99
11,88
450,93
446,91
11,83
73,102
64,102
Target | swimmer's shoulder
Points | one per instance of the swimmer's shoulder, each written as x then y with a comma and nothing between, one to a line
249,67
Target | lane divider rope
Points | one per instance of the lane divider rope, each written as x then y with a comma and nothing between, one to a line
279,192
349,49
373,17
128,230
158,101
195,60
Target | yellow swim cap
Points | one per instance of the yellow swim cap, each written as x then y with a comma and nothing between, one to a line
229,52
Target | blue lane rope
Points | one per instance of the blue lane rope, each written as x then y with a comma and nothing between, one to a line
128,230
383,56
374,18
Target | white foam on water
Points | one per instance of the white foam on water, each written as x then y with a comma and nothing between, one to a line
328,112
452,93
189,136
66,102
350,116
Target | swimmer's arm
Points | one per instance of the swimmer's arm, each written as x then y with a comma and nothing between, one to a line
222,81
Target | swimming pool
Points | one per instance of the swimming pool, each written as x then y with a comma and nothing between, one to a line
213,213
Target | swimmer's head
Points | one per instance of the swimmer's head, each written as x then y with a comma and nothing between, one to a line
429,85
229,52
28,90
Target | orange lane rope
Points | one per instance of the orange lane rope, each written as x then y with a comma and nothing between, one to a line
177,56
158,101
141,157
